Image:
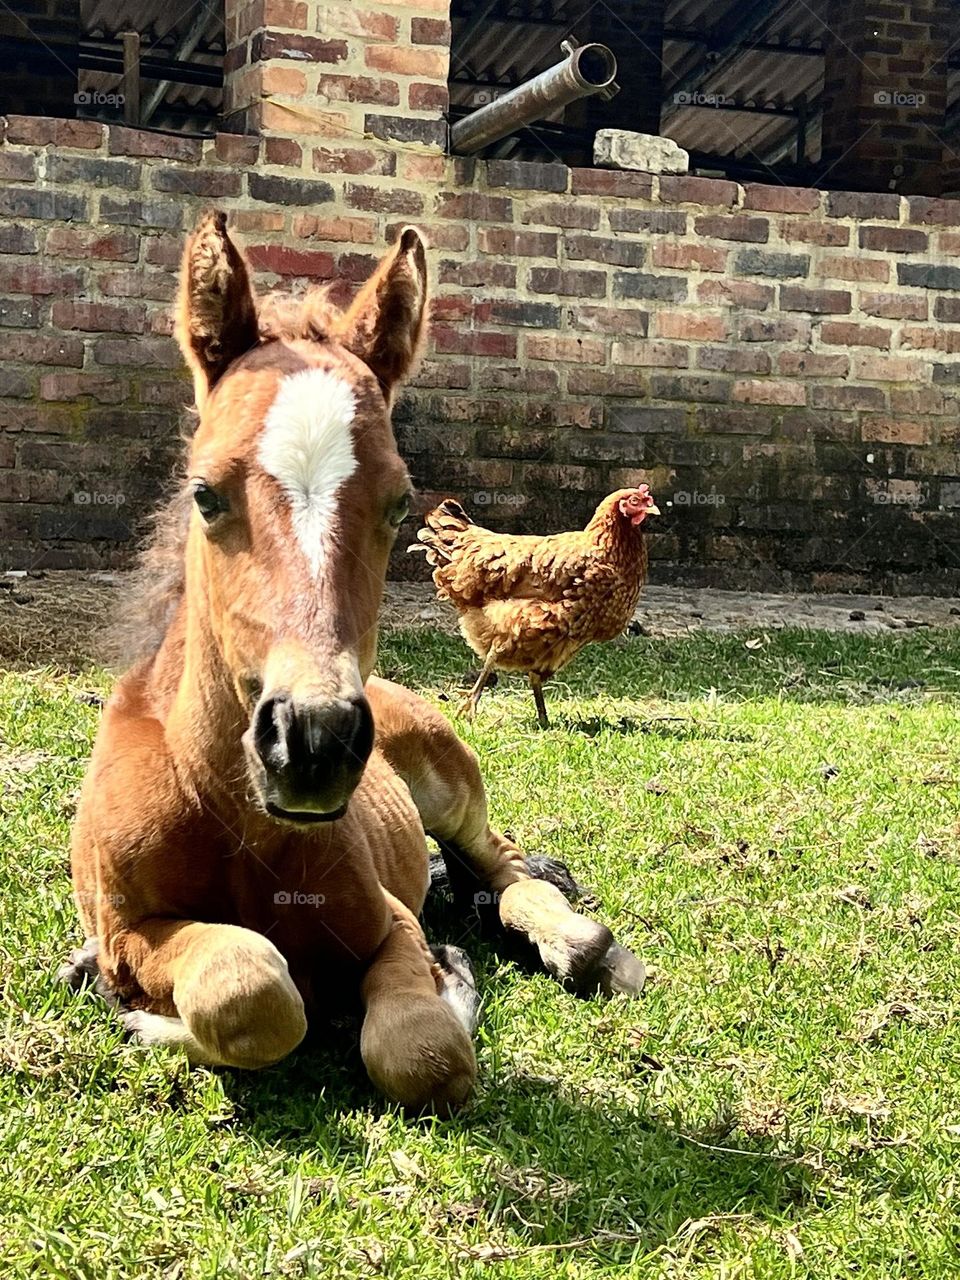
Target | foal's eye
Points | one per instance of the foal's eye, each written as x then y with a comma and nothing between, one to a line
399,511
209,502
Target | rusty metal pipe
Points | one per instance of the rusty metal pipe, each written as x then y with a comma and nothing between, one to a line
587,69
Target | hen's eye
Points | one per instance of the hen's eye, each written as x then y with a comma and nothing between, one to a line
399,511
209,502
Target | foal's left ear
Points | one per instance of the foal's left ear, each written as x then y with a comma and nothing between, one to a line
386,323
216,312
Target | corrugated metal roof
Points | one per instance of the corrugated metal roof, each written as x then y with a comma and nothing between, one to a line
522,38
163,30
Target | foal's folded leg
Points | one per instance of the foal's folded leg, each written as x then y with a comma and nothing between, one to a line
234,1002
415,1044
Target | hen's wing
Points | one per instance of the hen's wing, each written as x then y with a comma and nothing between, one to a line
474,566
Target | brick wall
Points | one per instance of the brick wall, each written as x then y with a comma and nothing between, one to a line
781,364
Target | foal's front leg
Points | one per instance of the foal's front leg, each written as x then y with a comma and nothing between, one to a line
416,1048
220,992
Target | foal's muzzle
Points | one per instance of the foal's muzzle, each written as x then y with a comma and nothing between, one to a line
311,752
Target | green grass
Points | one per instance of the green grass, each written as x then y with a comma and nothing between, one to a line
771,822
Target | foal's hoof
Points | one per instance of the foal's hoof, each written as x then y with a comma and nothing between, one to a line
81,969
459,989
621,972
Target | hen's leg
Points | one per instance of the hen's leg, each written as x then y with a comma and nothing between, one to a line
445,782
536,684
468,708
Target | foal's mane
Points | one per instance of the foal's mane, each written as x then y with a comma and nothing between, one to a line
157,582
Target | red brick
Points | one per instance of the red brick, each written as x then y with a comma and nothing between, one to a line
893,239
919,400
564,349
405,61
122,141
105,388
891,369
769,391
684,257
385,93
833,235
353,160
430,31
285,13
840,333
608,182
383,199
720,227
40,131
17,166
781,199
512,378
847,397
236,148
525,244
283,151
948,242
473,342
428,97
283,261
472,206
939,339
773,329
565,213
895,306
89,242
922,209
735,293
812,364
350,21
347,230
873,269
856,204
98,317
478,275
618,320
819,301
691,327
894,430
606,382
687,190
40,349
579,284
655,355
39,281
734,359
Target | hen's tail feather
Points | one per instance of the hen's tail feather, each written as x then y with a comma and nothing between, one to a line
442,525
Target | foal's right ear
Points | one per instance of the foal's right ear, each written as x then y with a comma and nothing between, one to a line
216,313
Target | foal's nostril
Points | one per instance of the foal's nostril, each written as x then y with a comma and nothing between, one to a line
271,729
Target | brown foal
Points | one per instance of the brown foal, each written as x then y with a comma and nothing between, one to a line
250,837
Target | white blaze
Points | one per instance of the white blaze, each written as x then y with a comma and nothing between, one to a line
307,445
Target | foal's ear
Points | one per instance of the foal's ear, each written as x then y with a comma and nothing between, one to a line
216,312
386,323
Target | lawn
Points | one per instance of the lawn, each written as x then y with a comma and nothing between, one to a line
769,820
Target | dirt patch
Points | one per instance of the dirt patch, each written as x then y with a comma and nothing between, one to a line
62,618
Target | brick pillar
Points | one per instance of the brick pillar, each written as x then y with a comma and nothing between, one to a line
885,94
370,76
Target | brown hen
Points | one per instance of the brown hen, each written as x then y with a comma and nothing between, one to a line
529,603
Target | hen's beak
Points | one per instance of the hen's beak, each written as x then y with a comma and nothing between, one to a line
653,509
